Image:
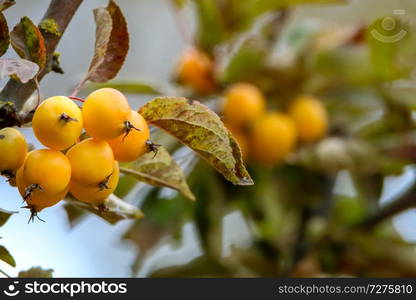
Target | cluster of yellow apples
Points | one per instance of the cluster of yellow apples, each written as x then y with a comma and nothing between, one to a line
87,168
269,136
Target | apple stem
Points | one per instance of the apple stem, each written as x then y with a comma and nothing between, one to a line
77,99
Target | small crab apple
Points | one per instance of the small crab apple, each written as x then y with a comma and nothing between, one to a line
47,170
243,104
195,69
91,161
272,138
310,118
133,145
13,150
57,123
106,114
95,194
36,199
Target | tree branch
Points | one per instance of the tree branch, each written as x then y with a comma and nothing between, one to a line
62,12
5,274
388,211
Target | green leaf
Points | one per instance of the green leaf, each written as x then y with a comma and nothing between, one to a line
24,69
257,7
334,154
199,128
4,35
385,45
243,63
36,272
244,58
115,209
179,3
28,42
6,257
111,44
124,186
350,64
5,215
348,210
210,27
75,214
249,10
128,87
246,55
159,170
166,212
5,4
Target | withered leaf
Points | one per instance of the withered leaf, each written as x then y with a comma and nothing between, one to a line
111,44
159,170
5,4
199,128
4,35
24,70
28,42
6,256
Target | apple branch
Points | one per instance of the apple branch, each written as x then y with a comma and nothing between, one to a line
61,11
407,201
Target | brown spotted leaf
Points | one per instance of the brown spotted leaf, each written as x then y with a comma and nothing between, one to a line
4,35
199,128
22,68
5,4
6,256
28,42
5,215
159,170
116,209
111,44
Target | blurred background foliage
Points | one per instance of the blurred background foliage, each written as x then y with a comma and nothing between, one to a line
320,212
326,210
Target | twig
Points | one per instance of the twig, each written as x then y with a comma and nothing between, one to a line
398,206
61,11
37,91
77,99
78,87
5,274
